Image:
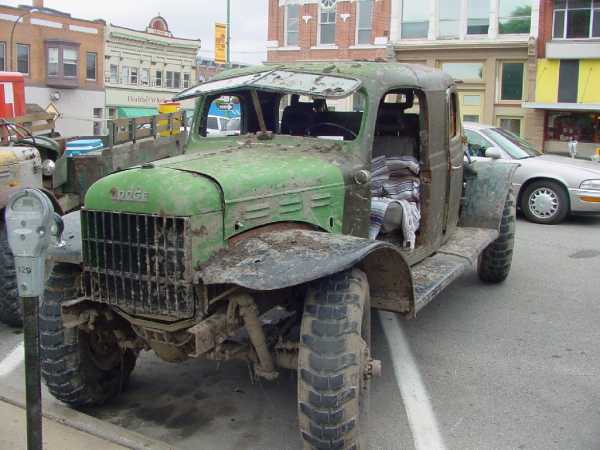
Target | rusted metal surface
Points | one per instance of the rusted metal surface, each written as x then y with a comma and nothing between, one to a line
486,194
208,334
288,258
468,243
70,252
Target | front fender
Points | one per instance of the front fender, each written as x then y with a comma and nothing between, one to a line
487,186
277,260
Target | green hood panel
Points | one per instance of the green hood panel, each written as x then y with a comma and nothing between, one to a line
260,171
157,190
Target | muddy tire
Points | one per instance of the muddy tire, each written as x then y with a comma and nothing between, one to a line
333,387
496,259
79,368
11,310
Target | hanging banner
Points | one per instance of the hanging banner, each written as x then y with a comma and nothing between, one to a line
220,43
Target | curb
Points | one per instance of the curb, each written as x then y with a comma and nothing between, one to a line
87,424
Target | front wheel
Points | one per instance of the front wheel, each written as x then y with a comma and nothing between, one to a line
545,202
334,363
80,368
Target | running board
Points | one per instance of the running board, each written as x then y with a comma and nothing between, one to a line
460,254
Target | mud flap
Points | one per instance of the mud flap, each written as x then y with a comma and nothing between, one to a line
487,185
278,260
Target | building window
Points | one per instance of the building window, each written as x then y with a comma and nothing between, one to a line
23,58
449,19
114,73
580,126
133,76
125,74
187,80
169,79
292,24
511,80
415,19
511,124
53,61
2,56
514,16
478,16
177,80
576,19
70,62
90,66
365,21
145,77
158,78
327,22
465,71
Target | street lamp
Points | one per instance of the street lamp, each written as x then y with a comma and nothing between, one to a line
12,36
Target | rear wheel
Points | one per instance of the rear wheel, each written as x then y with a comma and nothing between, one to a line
79,368
11,310
496,259
545,202
334,364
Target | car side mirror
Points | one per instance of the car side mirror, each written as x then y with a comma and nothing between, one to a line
493,153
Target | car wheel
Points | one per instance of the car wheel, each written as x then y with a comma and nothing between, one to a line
545,202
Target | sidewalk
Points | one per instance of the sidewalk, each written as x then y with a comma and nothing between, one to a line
65,428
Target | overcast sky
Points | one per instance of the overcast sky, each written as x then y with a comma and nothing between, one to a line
186,18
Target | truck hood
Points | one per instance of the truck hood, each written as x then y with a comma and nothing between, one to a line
260,171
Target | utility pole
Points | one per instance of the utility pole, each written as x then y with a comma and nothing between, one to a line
229,33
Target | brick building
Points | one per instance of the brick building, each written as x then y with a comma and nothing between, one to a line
62,59
301,30
568,73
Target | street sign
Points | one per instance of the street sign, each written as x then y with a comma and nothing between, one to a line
220,43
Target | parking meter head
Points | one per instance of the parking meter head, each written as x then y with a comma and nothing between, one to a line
29,217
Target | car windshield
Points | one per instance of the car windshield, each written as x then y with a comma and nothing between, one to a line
516,147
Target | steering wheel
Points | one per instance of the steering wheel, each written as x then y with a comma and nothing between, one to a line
310,129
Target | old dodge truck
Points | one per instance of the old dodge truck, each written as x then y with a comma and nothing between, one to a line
257,246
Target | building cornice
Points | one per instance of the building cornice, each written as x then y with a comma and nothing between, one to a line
458,45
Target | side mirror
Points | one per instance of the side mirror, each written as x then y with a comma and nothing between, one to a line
493,153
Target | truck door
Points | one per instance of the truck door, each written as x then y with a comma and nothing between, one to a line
455,152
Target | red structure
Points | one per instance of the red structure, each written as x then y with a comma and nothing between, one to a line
12,95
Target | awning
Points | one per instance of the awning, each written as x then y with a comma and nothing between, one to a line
132,113
563,106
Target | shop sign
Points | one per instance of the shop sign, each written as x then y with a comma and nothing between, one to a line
122,97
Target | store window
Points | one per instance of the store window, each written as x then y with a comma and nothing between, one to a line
478,16
449,19
145,77
133,76
415,19
576,19
514,16
327,22
53,62
158,76
2,56
512,80
90,66
114,73
365,21
471,118
564,126
292,24
511,124
465,71
23,58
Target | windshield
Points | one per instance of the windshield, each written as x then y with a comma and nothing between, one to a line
516,147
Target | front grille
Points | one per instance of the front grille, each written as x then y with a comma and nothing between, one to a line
139,263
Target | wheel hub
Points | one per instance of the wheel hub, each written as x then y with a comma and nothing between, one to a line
543,203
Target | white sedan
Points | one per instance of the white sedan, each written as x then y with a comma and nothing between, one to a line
548,187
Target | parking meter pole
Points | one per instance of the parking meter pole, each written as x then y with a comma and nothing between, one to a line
32,372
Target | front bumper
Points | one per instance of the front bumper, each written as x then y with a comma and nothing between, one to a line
585,201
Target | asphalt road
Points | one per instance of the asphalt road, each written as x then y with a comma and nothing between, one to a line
512,366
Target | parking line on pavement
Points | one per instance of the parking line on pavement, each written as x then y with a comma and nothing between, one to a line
421,419
12,360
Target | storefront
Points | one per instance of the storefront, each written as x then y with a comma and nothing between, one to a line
129,103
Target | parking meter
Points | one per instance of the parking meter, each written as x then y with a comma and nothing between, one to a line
31,224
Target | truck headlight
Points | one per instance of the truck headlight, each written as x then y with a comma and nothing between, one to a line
590,185
48,167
